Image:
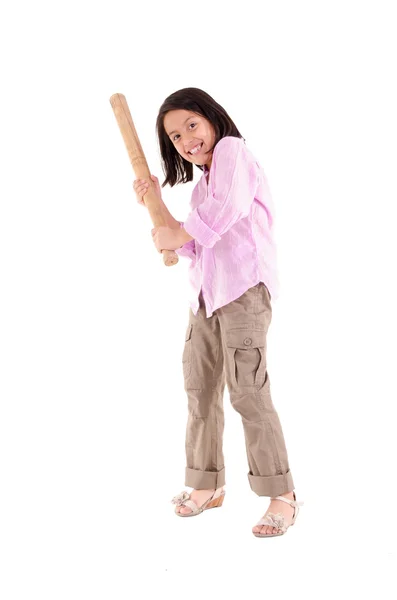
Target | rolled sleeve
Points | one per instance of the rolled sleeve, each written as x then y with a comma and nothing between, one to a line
188,249
196,227
231,192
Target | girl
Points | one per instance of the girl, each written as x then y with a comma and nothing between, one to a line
228,239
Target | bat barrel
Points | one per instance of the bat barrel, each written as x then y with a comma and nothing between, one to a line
140,166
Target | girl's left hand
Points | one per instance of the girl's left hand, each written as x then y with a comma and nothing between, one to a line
166,238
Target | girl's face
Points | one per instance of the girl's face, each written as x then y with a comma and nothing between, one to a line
187,131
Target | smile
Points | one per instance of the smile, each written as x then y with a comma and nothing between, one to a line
195,150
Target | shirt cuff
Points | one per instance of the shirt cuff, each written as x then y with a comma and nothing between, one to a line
188,249
196,227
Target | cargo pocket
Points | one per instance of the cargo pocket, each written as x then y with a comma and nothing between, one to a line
247,352
187,352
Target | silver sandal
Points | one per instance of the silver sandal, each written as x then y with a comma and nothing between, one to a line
183,499
278,520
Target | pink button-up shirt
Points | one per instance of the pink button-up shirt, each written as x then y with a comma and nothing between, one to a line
231,222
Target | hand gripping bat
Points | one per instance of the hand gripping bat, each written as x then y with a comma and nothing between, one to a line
140,166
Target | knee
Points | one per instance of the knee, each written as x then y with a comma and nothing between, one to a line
252,401
200,402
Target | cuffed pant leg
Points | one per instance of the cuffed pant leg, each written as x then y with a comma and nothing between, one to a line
204,385
244,325
272,486
204,480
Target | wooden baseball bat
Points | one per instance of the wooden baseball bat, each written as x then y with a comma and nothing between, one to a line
140,166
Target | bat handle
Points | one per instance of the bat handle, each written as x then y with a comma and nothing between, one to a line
169,257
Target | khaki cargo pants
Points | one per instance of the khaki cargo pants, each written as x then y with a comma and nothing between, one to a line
231,344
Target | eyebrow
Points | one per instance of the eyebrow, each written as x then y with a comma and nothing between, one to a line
191,117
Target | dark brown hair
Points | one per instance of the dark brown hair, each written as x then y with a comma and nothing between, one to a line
175,167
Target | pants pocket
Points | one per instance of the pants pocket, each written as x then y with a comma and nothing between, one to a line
247,353
187,352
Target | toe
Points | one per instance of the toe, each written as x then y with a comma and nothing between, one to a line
256,529
185,510
265,529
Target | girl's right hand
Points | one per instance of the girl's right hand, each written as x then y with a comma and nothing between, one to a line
141,187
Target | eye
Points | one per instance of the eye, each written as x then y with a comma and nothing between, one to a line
177,135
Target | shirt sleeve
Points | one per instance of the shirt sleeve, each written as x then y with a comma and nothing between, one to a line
233,182
188,249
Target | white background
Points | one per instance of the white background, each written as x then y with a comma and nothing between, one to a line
93,410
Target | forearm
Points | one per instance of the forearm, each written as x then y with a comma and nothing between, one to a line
174,224
187,244
169,219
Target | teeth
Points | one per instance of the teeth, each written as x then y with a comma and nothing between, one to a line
195,149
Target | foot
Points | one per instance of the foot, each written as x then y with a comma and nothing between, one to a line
199,497
277,506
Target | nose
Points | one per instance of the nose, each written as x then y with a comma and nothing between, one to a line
188,143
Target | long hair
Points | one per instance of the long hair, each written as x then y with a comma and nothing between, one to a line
175,167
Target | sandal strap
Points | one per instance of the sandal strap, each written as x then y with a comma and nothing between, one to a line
190,504
218,492
293,503
274,520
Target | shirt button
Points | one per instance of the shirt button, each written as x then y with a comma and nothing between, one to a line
247,341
